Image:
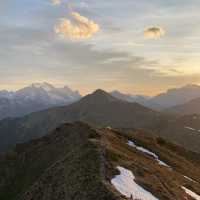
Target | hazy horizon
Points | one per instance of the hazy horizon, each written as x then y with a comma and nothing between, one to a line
91,91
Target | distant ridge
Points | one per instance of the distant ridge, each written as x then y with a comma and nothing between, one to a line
36,97
170,98
98,108
189,108
177,96
141,99
40,96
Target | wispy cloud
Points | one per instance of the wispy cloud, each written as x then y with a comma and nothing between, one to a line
79,27
56,2
154,32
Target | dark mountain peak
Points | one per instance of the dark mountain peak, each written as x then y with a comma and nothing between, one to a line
100,92
99,96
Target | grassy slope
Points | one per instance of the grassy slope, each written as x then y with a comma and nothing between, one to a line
162,182
60,165
77,162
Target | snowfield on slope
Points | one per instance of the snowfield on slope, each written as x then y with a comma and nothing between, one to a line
191,129
190,179
192,194
142,149
125,184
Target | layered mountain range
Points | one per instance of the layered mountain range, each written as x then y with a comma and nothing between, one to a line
181,100
103,146
188,108
38,96
100,109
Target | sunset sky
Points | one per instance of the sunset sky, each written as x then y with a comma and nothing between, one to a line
136,46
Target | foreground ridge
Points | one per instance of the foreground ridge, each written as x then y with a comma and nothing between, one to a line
77,161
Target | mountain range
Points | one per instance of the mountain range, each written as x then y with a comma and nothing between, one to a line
101,147
141,99
170,101
177,96
76,161
38,96
98,108
189,108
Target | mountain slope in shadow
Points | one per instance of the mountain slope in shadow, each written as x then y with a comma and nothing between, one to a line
99,108
79,162
189,108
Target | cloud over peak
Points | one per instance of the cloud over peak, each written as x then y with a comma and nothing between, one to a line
154,32
79,27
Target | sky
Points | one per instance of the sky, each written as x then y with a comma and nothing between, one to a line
138,47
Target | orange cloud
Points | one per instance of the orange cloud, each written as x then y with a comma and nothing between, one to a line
79,27
154,33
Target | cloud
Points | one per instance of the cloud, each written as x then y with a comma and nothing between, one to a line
79,27
154,33
56,2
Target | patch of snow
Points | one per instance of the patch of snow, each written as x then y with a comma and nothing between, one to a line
126,185
190,179
109,128
190,128
160,162
45,86
191,193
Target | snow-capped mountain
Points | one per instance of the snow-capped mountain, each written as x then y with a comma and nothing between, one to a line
48,94
33,98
